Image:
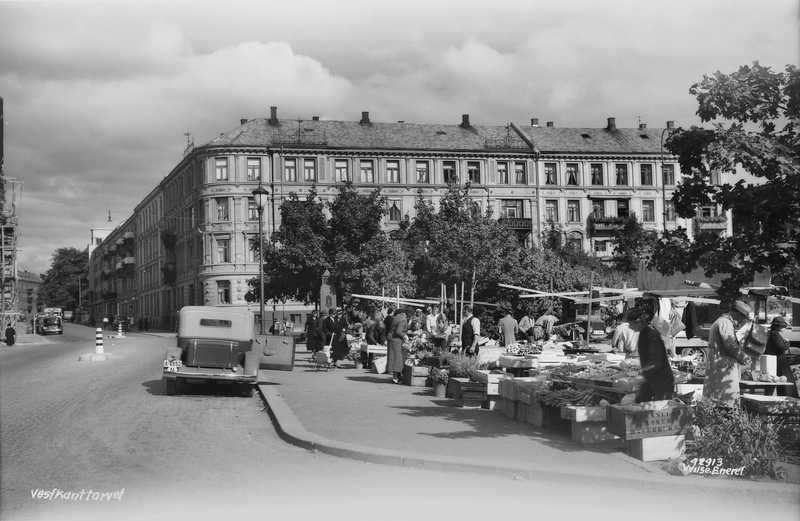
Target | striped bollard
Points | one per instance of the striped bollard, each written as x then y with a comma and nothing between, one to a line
120,334
98,341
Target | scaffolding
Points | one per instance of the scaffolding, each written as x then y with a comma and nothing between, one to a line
9,287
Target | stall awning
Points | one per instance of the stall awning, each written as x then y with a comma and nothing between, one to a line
652,281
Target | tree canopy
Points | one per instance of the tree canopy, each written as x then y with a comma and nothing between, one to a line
747,162
60,283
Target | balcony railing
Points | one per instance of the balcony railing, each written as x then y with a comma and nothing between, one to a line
516,223
711,222
604,226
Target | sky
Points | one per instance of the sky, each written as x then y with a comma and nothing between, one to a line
98,95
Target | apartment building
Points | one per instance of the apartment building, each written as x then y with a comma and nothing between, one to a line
188,242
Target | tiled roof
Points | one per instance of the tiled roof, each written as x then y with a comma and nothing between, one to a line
422,136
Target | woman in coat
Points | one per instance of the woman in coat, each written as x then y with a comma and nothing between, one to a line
659,383
397,335
724,356
340,347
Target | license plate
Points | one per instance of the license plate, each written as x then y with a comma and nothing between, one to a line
172,366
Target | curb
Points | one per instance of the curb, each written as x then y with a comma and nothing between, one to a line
291,430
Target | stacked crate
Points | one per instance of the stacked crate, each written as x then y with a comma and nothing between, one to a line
651,430
588,424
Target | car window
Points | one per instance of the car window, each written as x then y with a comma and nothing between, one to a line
215,322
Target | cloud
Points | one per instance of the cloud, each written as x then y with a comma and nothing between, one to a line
97,101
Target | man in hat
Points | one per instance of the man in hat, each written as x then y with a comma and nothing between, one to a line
725,353
776,344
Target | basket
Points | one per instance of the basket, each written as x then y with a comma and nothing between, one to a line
649,419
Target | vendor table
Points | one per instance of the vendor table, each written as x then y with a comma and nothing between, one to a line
766,388
376,349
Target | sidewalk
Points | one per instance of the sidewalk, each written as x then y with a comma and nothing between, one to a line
362,415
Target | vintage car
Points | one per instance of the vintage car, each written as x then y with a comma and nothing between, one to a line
49,325
215,344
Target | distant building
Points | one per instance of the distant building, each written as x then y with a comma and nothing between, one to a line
28,302
187,242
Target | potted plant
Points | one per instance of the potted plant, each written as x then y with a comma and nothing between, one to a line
439,378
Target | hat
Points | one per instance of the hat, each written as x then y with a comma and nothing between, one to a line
741,307
779,321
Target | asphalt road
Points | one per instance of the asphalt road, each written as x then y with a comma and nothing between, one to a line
104,435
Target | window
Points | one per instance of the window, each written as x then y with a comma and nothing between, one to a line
622,175
221,168
290,170
572,174
222,208
392,171
573,211
520,173
474,172
395,214
449,172
600,246
597,174
223,250
511,208
668,171
310,169
502,172
251,244
647,175
423,172
216,322
253,169
648,211
224,291
623,208
367,171
670,209
708,211
340,167
551,210
550,177
252,209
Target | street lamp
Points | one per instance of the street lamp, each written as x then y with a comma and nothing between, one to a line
260,195
669,127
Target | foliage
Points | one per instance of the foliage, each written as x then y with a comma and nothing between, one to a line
439,376
756,134
633,245
60,284
461,366
296,258
459,243
735,436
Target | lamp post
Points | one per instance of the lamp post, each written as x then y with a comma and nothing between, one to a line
669,127
260,195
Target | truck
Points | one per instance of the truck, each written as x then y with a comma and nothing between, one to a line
214,345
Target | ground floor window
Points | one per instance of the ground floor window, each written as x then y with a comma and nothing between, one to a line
224,291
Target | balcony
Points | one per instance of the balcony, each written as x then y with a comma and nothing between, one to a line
714,223
605,226
517,223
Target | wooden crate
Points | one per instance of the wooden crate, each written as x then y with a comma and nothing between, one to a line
580,413
507,408
647,420
535,415
657,447
522,412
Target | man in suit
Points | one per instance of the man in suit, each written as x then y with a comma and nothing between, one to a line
329,326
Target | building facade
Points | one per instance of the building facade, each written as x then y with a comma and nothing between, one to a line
188,241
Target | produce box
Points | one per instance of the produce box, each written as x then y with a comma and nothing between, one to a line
505,388
657,448
491,379
649,419
521,412
506,407
582,413
786,407
535,415
415,376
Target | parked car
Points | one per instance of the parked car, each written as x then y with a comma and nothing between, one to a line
49,325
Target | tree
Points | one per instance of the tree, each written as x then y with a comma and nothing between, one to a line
63,280
296,258
755,114
459,243
633,245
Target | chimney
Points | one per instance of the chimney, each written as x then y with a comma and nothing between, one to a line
534,122
642,126
612,124
273,115
670,125
549,124
314,118
364,118
465,120
243,121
